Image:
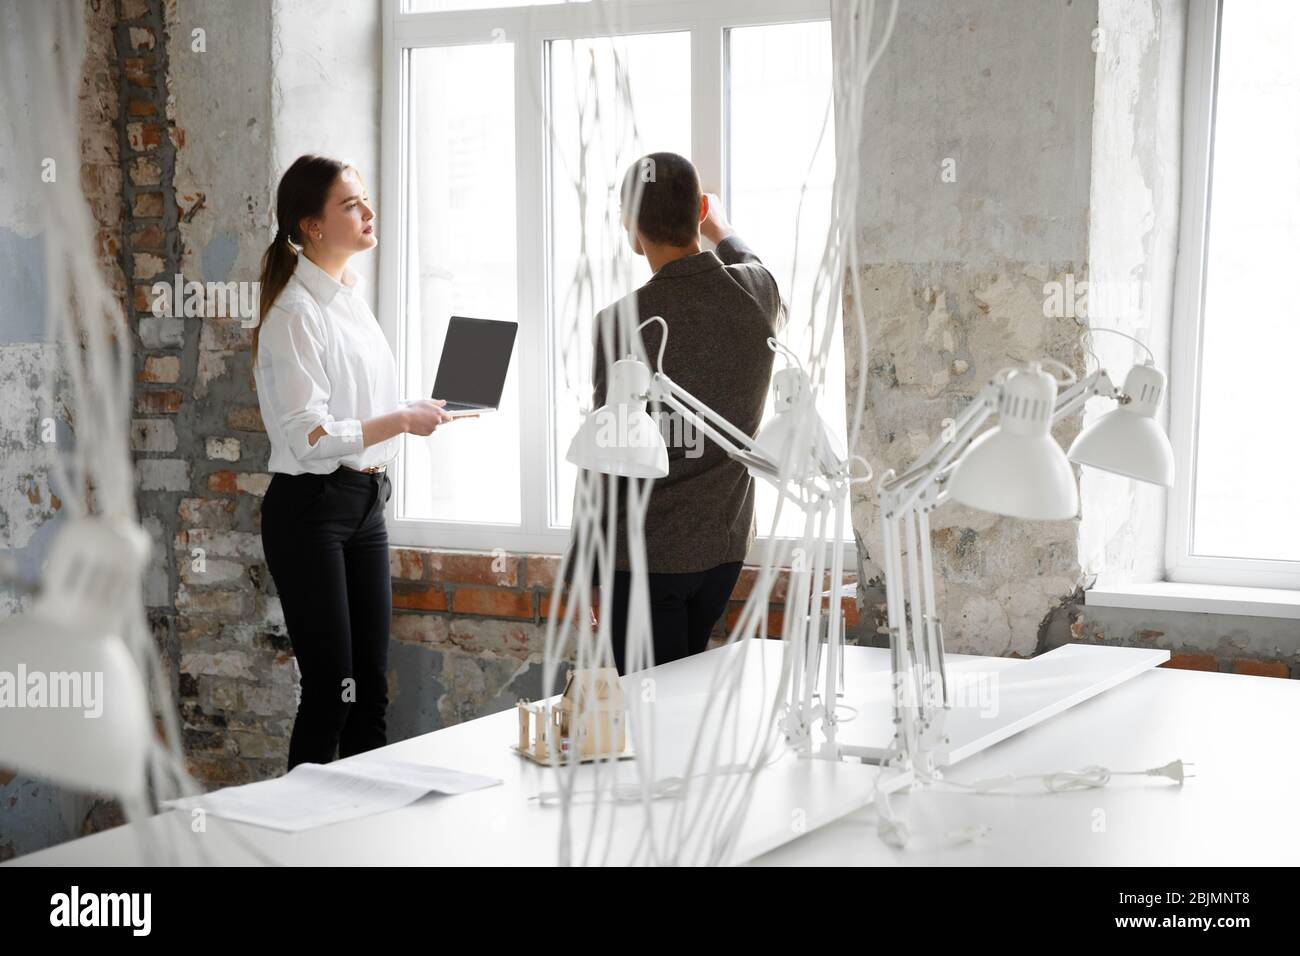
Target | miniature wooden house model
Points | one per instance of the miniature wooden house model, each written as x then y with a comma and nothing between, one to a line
592,715
588,723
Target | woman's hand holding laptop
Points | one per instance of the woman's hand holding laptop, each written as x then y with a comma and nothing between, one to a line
426,414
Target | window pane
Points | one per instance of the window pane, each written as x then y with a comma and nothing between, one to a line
780,80
461,242
1247,456
582,88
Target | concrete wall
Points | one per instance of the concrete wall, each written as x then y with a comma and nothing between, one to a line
325,93
1133,241
235,673
1063,121
953,271
1137,138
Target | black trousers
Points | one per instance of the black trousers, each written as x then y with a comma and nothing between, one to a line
683,610
326,547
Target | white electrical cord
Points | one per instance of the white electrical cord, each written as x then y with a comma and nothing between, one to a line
1062,781
1151,356
1073,377
663,788
894,831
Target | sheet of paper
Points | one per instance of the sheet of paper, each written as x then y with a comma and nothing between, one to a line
313,795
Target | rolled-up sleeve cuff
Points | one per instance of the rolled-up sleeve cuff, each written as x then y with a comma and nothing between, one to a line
347,431
342,437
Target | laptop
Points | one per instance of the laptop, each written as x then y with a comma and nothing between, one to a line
475,360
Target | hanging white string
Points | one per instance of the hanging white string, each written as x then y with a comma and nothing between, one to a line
711,795
93,362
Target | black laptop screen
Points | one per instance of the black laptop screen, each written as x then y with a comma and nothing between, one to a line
475,359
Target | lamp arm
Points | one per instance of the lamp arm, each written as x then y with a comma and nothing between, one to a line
1074,397
665,390
899,494
988,395
671,388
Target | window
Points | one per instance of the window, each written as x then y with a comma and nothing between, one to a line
483,108
1235,516
461,257
772,187
659,76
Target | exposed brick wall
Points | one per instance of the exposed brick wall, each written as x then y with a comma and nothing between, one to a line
471,628
431,586
1203,642
99,108
150,252
99,117
1233,665
197,436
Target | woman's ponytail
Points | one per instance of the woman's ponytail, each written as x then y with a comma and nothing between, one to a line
278,263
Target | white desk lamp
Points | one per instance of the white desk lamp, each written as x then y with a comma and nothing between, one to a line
1128,440
70,643
620,437
796,452
1014,469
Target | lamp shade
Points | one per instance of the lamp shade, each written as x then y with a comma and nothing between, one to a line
75,709
620,437
1016,468
796,440
1128,440
73,704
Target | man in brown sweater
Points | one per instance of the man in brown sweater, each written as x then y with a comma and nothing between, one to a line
720,309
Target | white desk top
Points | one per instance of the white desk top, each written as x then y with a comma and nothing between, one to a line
502,825
1241,732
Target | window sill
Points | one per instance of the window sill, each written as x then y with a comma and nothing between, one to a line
1198,598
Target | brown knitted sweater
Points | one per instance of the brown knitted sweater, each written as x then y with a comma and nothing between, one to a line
720,309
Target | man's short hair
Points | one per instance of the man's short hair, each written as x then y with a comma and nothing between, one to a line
669,210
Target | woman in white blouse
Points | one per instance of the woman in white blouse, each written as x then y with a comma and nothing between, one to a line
327,385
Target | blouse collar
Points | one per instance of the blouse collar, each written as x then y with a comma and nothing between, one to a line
324,286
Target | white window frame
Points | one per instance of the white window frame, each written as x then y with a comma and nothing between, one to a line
529,28
1200,94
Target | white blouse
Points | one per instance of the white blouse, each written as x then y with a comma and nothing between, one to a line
323,360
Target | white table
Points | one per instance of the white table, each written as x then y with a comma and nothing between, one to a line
1240,731
504,825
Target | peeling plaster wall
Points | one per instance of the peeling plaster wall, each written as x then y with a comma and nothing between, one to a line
325,94
1137,139
235,677
1135,219
953,276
